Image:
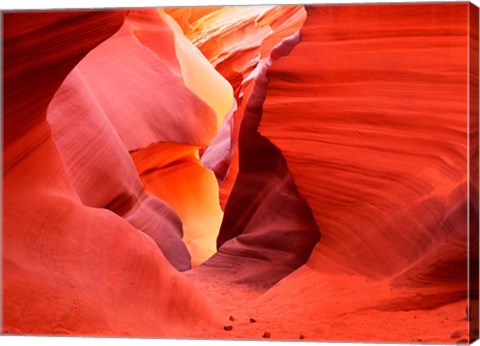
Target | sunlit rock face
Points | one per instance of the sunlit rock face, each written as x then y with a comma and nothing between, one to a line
370,112
235,39
141,101
378,134
173,172
274,234
261,239
235,172
69,268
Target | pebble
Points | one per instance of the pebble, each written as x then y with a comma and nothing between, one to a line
231,318
252,320
456,334
228,327
266,335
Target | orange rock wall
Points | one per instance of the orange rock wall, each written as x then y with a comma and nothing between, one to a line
317,166
69,268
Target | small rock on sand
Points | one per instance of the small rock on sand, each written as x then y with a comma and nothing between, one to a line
456,334
228,328
252,320
302,337
231,318
266,335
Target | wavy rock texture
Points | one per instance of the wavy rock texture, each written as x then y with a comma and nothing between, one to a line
256,246
234,39
230,37
173,172
268,229
68,268
376,142
137,85
473,98
384,115
254,129
93,151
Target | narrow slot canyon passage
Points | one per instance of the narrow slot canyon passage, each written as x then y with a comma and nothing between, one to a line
240,172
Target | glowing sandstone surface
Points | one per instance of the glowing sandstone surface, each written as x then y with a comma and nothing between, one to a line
286,172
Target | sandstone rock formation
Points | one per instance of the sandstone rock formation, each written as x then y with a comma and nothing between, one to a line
312,169
69,268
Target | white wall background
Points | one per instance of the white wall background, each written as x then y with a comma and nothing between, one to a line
46,4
